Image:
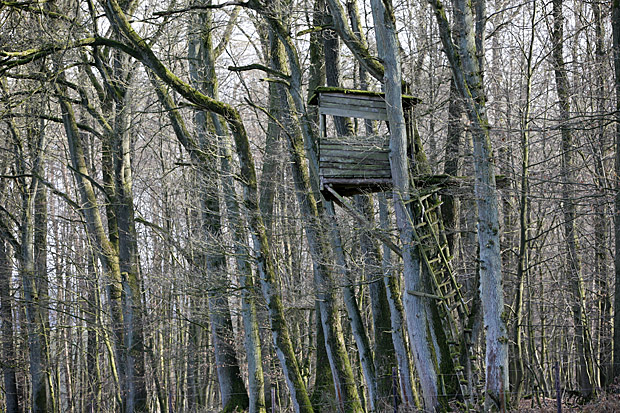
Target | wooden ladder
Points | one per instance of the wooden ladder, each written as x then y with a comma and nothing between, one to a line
453,310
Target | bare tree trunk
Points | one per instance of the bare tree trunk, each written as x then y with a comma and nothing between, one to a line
465,67
601,225
615,24
8,346
524,223
397,316
104,248
32,267
416,307
344,381
129,266
585,369
42,284
384,354
94,389
452,166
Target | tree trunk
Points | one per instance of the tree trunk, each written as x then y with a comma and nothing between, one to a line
384,354
136,397
416,307
96,232
344,381
601,225
33,271
468,79
615,24
93,318
397,316
8,345
524,224
585,369
452,166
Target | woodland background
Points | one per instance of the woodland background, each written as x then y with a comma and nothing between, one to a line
164,246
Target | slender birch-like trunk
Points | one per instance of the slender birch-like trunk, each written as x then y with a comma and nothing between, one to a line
585,369
524,223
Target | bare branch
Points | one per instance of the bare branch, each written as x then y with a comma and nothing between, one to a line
258,66
202,7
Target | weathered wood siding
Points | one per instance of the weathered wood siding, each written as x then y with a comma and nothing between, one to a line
348,106
356,160
353,164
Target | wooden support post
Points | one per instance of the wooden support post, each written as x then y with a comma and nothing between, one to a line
557,387
395,388
355,214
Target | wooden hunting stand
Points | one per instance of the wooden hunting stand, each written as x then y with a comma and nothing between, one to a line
359,164
356,164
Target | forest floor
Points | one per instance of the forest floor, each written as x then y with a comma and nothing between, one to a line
607,402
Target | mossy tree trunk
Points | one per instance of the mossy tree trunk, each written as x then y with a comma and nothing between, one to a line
202,73
263,259
416,307
29,147
464,62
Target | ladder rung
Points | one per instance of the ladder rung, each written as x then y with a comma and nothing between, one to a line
425,236
434,260
424,197
433,207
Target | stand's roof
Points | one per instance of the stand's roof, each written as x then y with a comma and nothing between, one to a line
408,101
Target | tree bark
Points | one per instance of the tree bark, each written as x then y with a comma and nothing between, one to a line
8,345
397,316
615,24
319,247
202,72
601,223
585,372
524,224
468,78
105,250
416,307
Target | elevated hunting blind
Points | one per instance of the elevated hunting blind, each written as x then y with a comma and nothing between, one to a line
357,163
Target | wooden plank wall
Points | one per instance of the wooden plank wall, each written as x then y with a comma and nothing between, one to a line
349,106
354,164
354,157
